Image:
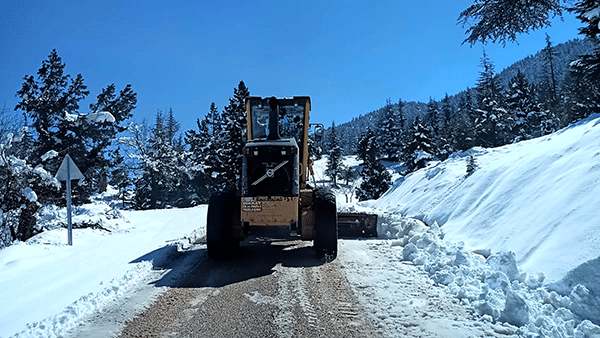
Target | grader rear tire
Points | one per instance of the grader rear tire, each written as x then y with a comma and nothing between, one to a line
326,229
219,239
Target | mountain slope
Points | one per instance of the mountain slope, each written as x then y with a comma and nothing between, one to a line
537,198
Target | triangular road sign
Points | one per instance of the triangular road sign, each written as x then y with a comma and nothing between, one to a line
68,170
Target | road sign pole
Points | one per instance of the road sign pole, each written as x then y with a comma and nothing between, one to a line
69,223
66,172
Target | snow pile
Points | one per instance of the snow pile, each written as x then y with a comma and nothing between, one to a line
537,198
98,215
494,286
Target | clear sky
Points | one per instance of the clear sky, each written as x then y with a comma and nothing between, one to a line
349,56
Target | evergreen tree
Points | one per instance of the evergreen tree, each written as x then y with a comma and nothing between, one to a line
164,177
233,129
520,100
334,160
376,181
581,97
52,104
444,139
204,153
22,185
589,64
420,149
463,130
375,178
119,177
432,120
366,148
387,131
171,127
399,132
120,107
501,20
492,122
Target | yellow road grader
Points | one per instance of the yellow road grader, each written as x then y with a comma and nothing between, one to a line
275,199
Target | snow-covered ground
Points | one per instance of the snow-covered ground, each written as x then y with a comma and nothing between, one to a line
48,288
516,244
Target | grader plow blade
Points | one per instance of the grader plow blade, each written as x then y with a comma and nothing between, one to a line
353,225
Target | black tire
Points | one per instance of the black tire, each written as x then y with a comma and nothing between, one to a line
219,239
326,228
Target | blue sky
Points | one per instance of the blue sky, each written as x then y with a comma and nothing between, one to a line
348,56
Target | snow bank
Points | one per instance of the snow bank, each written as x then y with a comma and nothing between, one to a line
538,199
494,286
48,287
58,325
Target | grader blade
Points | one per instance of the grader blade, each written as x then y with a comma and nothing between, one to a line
353,225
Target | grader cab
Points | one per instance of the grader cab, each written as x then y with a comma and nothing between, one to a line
274,199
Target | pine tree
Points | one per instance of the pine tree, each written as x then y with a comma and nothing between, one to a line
492,121
366,148
375,177
388,131
50,101
464,133
589,64
444,139
520,100
171,127
502,20
420,149
233,128
432,120
398,132
335,166
52,104
581,98
376,181
204,155
119,177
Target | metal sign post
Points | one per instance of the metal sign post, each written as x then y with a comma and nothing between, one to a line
68,171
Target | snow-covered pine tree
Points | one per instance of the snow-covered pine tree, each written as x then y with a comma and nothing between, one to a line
366,147
502,20
171,126
334,167
203,154
375,177
432,119
589,64
388,131
444,139
582,98
520,100
463,129
163,180
51,102
233,128
21,185
471,165
420,149
119,177
398,132
493,123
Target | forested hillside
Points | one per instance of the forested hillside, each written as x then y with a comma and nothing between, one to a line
551,105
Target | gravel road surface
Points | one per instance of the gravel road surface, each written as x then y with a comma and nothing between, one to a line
275,289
